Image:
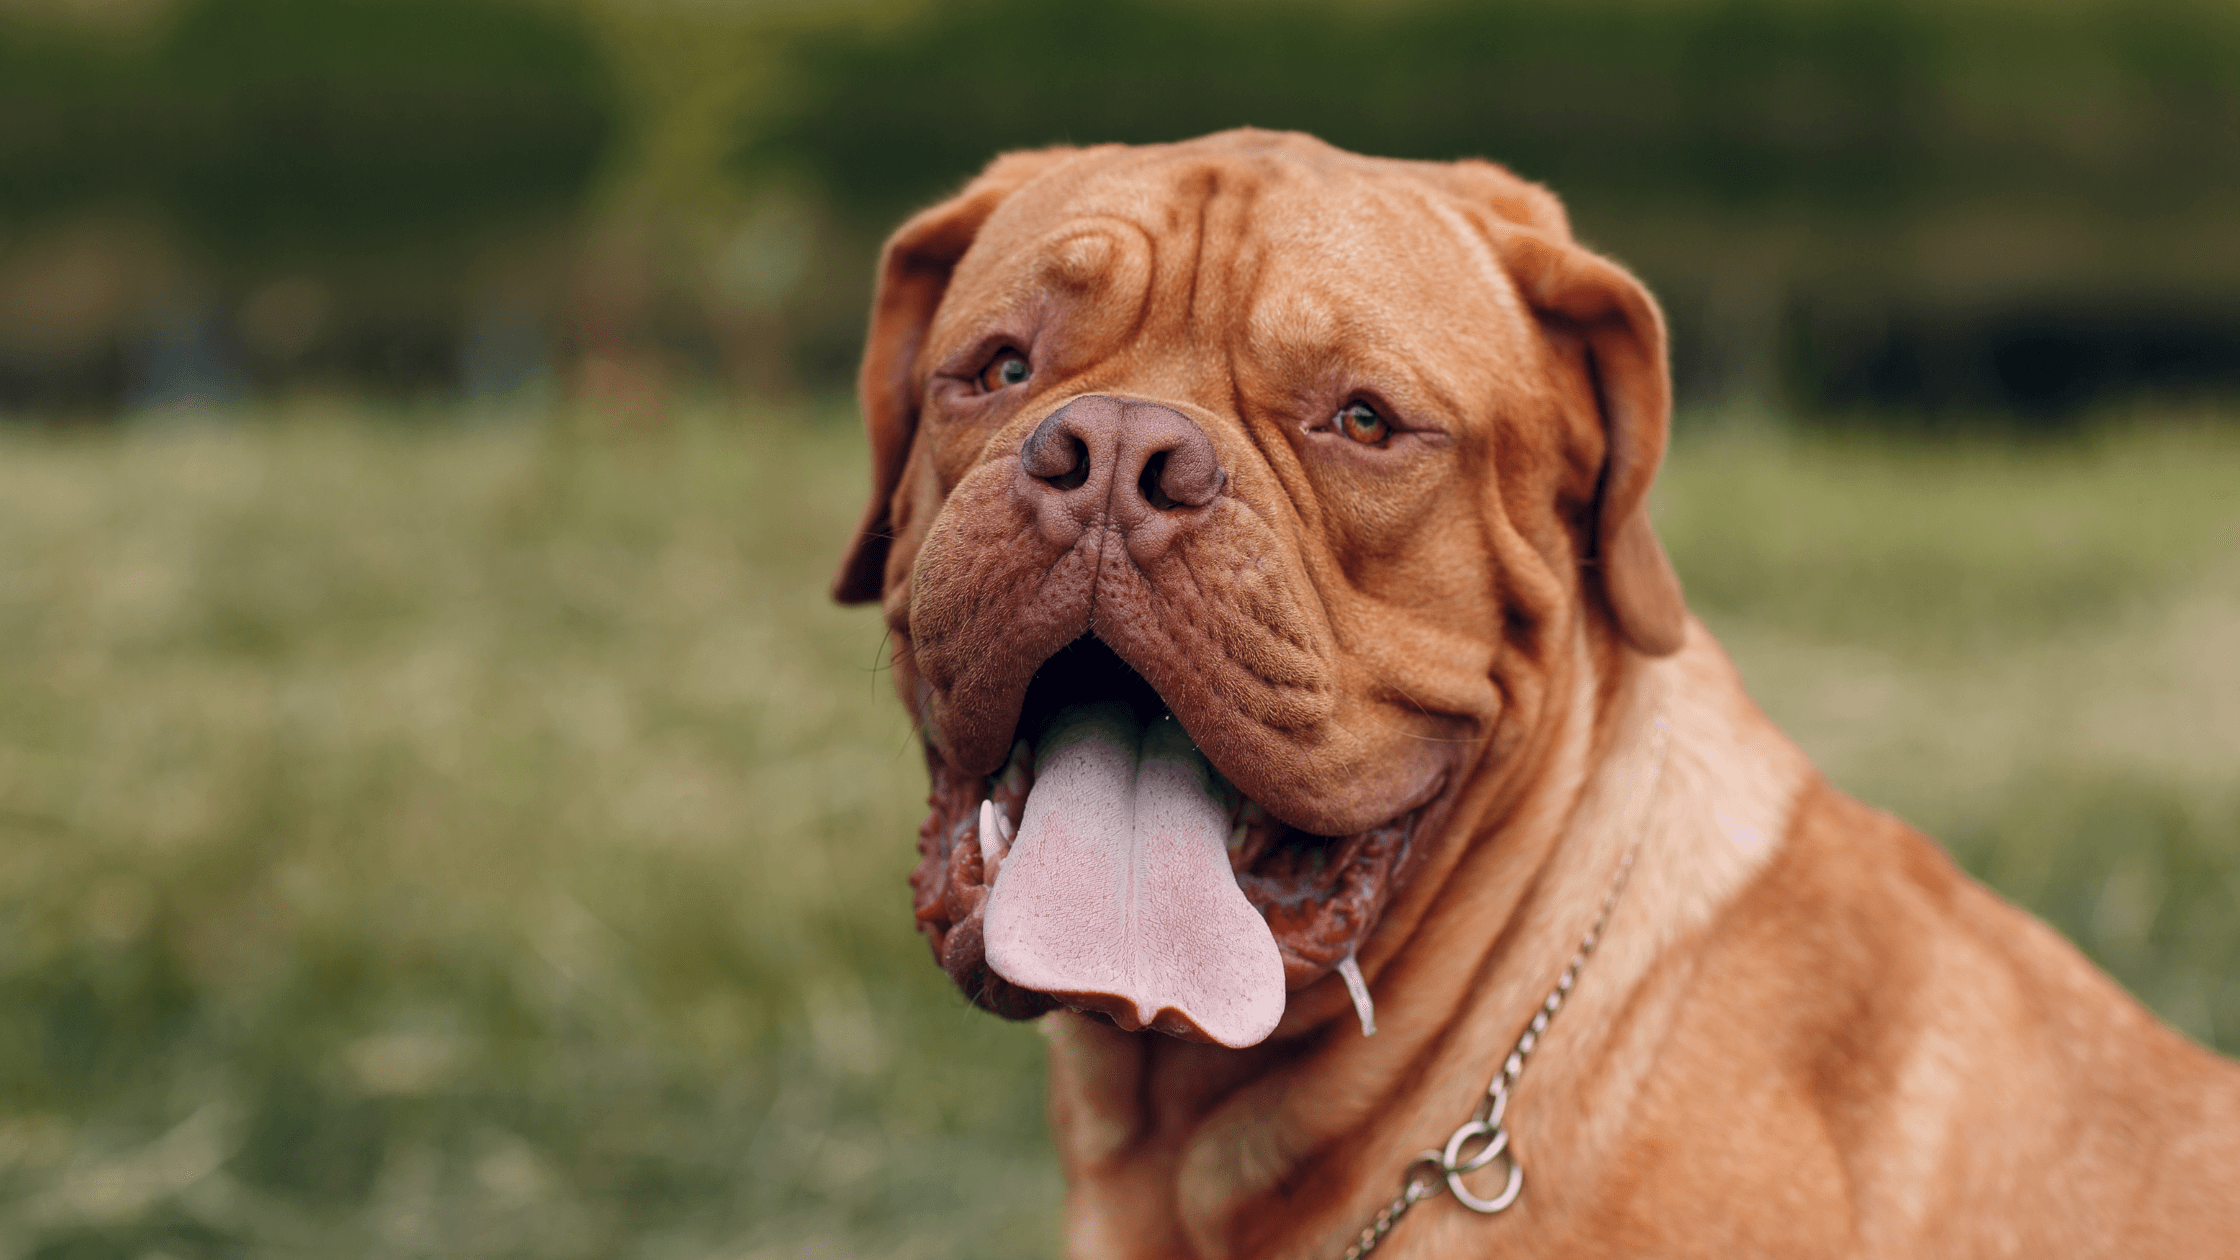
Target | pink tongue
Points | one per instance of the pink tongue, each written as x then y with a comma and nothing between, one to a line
1117,895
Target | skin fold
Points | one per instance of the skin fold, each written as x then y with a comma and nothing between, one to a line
1805,1034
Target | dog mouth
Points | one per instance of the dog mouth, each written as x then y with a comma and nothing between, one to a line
1109,866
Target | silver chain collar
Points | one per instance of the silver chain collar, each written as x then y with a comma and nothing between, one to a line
1484,1138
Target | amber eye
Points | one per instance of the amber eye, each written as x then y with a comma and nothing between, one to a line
1008,368
1360,421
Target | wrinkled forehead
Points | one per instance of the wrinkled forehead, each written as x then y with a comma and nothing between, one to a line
1289,254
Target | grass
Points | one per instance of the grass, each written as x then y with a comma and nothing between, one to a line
421,838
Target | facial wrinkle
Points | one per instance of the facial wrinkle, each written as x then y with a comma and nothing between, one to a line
1198,248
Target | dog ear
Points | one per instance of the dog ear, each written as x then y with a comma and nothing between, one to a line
914,272
1625,339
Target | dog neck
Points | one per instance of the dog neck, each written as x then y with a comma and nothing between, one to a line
1330,1119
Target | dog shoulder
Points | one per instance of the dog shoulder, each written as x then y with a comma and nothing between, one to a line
1958,1051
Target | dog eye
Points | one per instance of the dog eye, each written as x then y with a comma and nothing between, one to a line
1360,421
1008,368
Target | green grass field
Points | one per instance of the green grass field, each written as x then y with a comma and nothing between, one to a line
420,838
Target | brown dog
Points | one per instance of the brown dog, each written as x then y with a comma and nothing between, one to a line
1340,464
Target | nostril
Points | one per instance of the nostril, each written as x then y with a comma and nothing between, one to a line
1148,485
1056,455
1076,459
1186,475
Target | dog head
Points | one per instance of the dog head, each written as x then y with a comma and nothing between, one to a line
1234,501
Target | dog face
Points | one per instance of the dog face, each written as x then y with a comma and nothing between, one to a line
1235,499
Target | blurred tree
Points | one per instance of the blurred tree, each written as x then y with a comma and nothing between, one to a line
66,116
1886,204
358,177
320,131
270,129
1771,165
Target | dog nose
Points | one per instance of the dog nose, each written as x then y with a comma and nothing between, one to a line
1134,460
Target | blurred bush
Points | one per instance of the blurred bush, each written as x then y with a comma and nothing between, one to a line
372,132
1940,210
347,133
239,185
1863,205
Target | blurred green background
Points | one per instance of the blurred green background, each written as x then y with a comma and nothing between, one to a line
1954,211
440,814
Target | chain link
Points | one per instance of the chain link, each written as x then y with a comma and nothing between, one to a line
1486,1124
1416,1191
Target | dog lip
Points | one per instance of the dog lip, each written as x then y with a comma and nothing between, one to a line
1432,790
1339,818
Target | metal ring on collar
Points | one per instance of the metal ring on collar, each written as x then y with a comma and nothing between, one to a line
1454,1166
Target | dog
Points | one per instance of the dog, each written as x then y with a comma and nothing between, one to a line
1262,532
